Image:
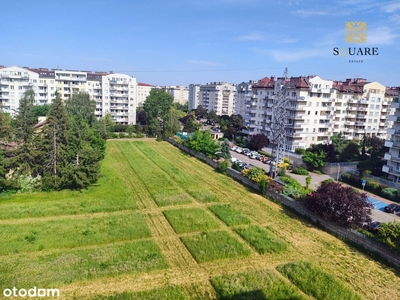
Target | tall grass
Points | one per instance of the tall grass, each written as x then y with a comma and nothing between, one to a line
316,283
229,215
209,246
65,266
185,220
71,232
262,239
262,284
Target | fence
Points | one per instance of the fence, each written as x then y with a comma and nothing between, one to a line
347,234
378,179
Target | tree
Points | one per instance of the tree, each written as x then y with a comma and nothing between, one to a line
201,141
236,121
258,141
24,158
225,153
340,204
314,160
157,105
376,144
141,117
212,116
171,122
200,111
41,110
350,152
389,234
81,106
55,138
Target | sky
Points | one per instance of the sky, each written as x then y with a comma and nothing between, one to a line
179,42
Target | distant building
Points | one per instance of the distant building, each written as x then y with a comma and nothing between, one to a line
392,167
143,90
180,93
219,97
194,96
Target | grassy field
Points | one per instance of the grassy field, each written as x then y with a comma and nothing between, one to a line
161,225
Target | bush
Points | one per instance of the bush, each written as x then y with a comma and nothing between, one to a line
391,193
299,151
223,166
300,171
339,204
236,167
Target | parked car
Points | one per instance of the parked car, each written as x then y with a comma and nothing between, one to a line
373,226
253,155
234,159
234,148
239,150
245,151
392,208
260,157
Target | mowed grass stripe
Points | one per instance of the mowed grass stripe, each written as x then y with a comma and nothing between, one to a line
111,193
192,186
164,293
70,233
63,267
162,189
229,215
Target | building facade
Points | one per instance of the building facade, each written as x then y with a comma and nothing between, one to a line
194,96
115,94
317,109
143,90
180,93
219,97
392,167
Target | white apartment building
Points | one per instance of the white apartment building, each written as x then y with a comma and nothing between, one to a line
218,96
113,93
194,96
319,108
180,93
392,167
243,99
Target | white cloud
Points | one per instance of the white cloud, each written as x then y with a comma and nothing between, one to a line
391,7
381,36
255,36
203,62
309,13
395,19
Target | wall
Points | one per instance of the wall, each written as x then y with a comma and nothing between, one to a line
347,234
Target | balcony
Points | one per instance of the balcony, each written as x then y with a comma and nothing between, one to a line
361,108
392,118
391,170
361,116
393,131
395,105
387,156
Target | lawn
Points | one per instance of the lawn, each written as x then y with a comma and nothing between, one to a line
161,224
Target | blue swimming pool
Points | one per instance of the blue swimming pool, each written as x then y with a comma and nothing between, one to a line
377,204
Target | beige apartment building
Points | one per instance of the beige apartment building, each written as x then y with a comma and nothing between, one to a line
115,94
318,108
218,96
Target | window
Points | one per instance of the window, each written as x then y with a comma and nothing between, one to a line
308,113
317,104
313,130
316,113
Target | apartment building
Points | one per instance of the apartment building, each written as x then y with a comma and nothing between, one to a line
194,96
243,99
317,109
113,93
392,167
218,96
180,93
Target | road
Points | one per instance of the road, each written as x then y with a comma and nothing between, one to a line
376,215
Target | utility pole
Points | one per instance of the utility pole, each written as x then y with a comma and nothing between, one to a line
55,153
279,119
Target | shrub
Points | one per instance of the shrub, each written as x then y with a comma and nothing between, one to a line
223,166
308,182
300,171
389,234
299,151
340,204
391,193
255,174
236,166
275,186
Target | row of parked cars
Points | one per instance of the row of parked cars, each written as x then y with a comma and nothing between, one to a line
374,226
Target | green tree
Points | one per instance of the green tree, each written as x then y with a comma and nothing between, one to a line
171,122
314,160
213,117
200,111
350,152
24,158
81,106
157,105
55,139
225,153
191,125
201,141
41,110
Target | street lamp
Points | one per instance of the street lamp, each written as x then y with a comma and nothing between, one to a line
337,178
